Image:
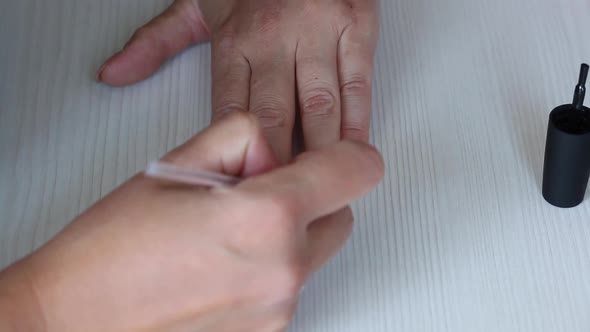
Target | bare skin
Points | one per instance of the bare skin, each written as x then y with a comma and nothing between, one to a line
271,58
156,256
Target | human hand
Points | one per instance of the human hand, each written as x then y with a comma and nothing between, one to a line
266,54
157,256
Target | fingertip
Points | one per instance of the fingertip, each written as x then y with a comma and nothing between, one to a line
379,163
233,145
259,157
107,75
372,159
362,158
98,75
127,67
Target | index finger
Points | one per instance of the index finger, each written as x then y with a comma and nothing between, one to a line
319,183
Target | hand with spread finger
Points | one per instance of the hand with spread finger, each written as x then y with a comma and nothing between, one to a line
162,256
271,58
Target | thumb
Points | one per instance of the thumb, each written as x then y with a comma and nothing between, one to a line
179,27
320,182
234,146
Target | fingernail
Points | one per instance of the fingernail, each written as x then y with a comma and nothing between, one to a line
99,72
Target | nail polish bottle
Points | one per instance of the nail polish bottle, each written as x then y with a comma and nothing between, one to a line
567,151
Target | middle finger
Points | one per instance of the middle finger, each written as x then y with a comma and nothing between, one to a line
272,99
318,87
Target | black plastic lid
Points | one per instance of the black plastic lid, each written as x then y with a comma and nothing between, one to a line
567,150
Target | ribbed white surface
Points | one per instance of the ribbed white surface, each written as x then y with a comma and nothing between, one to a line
458,237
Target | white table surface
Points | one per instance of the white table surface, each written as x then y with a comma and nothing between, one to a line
457,238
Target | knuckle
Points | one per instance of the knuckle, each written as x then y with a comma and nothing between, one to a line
354,7
226,108
319,102
355,131
281,209
271,114
268,18
311,7
356,85
347,13
148,38
142,33
188,13
264,221
225,40
290,280
145,36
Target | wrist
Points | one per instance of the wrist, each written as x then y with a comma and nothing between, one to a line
19,307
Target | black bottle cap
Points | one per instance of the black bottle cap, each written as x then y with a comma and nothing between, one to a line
567,150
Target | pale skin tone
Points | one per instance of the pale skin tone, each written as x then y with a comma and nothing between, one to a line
281,60
270,58
159,256
155,256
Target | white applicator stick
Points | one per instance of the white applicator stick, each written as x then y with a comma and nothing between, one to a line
163,171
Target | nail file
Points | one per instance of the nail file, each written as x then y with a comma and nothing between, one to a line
196,177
